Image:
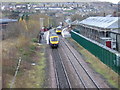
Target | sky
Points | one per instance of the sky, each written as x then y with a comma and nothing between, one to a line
113,1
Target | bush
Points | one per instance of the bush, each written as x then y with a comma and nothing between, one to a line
34,40
24,33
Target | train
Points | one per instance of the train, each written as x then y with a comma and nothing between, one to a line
54,41
58,30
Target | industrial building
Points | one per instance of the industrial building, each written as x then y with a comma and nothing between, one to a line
104,30
3,25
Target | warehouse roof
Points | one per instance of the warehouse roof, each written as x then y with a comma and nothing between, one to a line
101,22
7,20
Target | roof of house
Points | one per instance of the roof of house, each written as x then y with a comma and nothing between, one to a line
101,22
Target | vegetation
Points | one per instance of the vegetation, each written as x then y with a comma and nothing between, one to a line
111,77
21,42
32,76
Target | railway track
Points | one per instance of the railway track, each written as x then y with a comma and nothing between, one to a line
80,70
62,79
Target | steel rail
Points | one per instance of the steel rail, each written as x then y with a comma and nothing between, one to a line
65,71
63,68
57,81
82,65
80,78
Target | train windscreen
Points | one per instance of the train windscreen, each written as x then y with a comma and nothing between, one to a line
54,39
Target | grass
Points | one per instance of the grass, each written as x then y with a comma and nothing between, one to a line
23,45
9,60
110,76
29,76
70,10
35,77
34,40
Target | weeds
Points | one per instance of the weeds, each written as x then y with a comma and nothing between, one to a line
35,40
35,77
21,35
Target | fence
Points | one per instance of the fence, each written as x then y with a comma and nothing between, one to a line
109,57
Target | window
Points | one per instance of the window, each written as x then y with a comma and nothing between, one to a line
107,34
54,39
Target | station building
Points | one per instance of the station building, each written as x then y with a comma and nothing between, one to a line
104,30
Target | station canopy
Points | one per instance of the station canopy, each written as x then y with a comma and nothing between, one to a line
101,22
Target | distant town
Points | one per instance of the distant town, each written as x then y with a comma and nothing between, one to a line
68,8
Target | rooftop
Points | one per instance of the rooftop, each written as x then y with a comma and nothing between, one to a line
7,20
101,22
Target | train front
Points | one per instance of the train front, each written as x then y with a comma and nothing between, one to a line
54,41
58,30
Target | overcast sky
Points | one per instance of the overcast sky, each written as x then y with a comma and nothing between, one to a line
113,1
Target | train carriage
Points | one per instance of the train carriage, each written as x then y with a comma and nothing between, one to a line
54,41
58,30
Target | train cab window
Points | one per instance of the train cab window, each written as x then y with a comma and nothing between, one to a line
54,39
59,29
